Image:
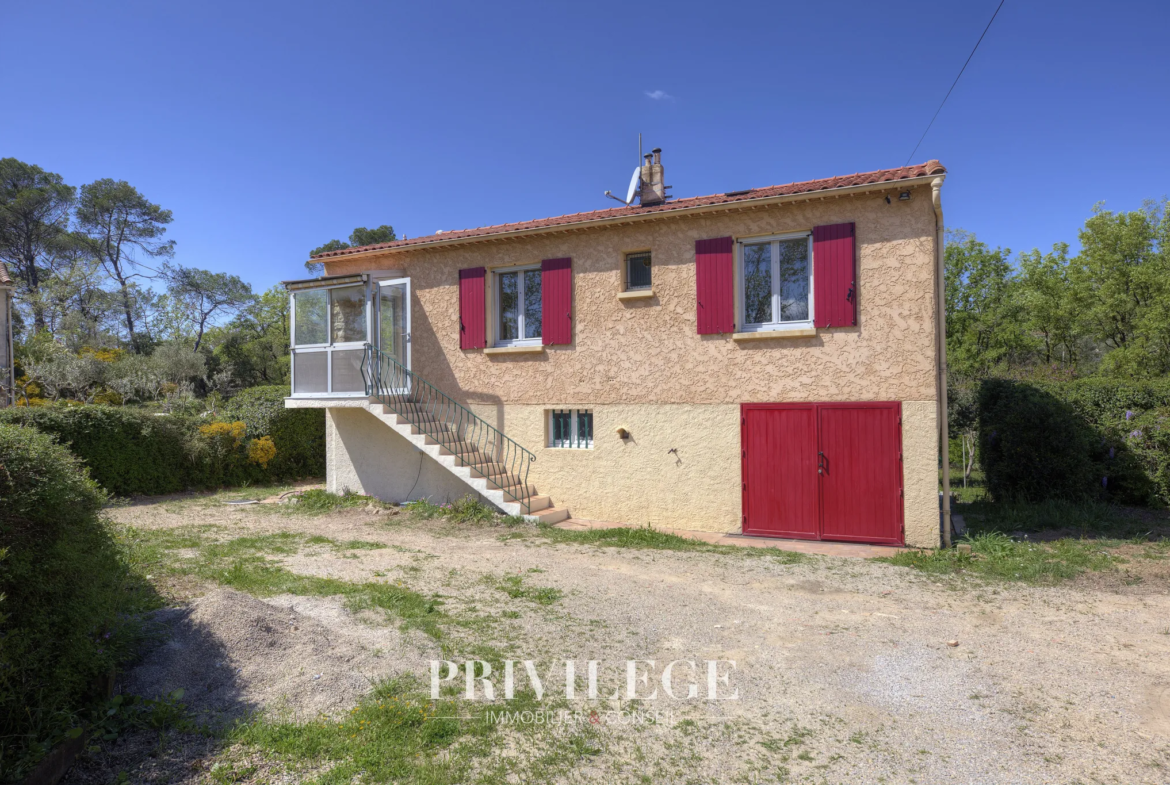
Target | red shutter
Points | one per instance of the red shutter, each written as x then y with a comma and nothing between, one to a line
472,322
556,301
715,285
834,279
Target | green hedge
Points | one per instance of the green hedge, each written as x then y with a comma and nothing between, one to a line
131,452
1087,439
299,434
68,597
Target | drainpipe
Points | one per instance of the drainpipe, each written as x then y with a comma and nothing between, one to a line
941,360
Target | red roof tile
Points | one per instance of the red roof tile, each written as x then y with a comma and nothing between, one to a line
927,169
4,279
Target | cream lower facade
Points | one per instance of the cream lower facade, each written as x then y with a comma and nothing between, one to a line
679,467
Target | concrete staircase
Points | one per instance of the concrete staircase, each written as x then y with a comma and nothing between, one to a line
478,471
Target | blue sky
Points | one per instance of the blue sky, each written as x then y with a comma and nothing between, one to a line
270,127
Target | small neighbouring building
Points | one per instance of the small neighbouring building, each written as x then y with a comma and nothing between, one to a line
7,378
766,361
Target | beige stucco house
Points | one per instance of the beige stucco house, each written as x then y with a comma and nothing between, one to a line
765,362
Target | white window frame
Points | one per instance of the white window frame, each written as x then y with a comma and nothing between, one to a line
741,309
574,413
497,310
326,348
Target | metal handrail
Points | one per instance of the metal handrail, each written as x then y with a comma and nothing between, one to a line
477,443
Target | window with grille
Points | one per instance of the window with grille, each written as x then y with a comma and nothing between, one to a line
570,428
638,271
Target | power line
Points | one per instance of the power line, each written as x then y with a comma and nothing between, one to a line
948,95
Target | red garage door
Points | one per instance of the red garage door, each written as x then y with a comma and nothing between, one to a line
823,471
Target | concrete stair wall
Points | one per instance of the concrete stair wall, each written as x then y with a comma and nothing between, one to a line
479,472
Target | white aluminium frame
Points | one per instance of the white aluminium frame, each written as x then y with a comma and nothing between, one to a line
497,310
327,348
376,328
741,309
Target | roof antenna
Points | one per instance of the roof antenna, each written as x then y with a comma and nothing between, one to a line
635,189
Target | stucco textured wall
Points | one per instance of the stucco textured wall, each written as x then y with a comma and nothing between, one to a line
642,365
648,351
639,480
920,472
365,456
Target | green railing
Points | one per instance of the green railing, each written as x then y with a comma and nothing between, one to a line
479,445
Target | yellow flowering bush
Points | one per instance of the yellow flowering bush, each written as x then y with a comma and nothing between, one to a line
224,432
261,451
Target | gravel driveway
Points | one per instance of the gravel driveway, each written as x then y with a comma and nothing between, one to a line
847,670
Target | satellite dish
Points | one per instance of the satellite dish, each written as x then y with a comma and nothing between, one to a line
635,183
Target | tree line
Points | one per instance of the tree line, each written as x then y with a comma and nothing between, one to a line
1104,311
104,313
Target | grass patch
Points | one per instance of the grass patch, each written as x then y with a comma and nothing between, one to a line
242,563
391,736
648,539
1043,543
316,501
398,734
1057,519
996,556
514,587
465,510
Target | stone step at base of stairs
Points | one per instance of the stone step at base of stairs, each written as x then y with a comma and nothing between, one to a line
549,515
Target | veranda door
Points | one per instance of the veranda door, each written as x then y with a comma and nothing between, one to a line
394,332
823,471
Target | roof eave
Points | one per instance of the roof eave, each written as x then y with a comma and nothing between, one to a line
849,190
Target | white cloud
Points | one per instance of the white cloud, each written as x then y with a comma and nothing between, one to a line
659,95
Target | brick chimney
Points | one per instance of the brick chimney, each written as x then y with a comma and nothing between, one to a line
653,184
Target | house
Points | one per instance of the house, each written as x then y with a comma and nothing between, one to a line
7,379
766,361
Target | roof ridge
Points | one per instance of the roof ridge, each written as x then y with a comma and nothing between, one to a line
933,166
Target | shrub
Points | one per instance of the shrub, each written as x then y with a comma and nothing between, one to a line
42,484
297,434
69,597
1087,439
127,452
262,451
132,452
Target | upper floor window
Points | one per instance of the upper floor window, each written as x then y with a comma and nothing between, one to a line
638,271
329,316
518,306
776,283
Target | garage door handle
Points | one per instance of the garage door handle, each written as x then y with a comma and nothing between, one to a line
820,463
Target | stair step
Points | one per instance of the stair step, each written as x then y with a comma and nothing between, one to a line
488,470
538,502
446,440
550,514
512,492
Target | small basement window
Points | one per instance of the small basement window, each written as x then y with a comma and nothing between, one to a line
570,428
637,271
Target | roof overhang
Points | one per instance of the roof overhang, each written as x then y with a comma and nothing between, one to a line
618,220
324,280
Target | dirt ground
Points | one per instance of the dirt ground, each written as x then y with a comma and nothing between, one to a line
846,670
